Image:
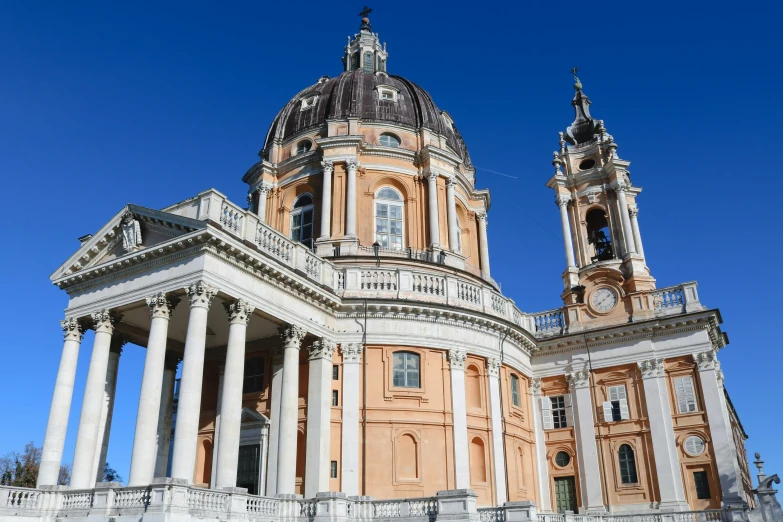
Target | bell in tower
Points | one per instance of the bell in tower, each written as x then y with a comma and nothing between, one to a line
606,278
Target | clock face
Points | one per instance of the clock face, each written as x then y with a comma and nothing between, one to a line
604,299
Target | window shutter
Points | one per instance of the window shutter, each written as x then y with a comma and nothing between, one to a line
625,414
569,410
546,413
608,411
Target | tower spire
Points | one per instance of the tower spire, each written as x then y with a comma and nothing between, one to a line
584,126
364,51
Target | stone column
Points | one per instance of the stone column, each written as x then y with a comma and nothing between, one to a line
183,463
263,192
620,189
326,200
289,410
216,433
587,451
319,417
60,409
352,355
163,441
667,461
82,476
460,420
568,242
451,210
637,236
542,467
239,313
142,469
499,462
274,421
432,194
711,378
483,244
104,429
350,208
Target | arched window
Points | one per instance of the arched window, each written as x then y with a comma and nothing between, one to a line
515,390
388,218
354,61
368,62
388,139
627,465
302,220
478,464
303,146
599,237
406,370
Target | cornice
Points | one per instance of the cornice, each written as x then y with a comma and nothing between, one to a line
333,142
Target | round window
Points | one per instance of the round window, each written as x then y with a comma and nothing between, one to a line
694,445
588,163
562,459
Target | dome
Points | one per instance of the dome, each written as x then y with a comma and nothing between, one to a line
357,94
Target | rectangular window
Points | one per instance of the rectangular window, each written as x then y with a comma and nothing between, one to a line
254,375
515,390
559,419
616,408
405,370
333,469
686,394
335,373
702,485
335,398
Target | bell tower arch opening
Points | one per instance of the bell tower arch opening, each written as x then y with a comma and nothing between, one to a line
599,237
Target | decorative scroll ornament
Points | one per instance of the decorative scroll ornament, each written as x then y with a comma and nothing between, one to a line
535,386
707,360
493,366
239,311
161,306
103,321
352,352
457,359
72,329
651,368
200,294
131,232
578,378
322,349
292,336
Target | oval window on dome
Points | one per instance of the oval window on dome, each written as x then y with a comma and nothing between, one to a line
588,163
389,140
304,146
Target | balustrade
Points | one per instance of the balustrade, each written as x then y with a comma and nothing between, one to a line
232,218
550,322
378,280
493,514
274,243
429,284
468,292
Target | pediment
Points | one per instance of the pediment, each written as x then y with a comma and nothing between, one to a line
251,416
146,229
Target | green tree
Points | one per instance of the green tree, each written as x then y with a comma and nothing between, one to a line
110,474
21,469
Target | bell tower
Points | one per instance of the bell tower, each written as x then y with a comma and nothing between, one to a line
606,278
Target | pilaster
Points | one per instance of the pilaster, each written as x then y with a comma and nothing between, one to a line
460,419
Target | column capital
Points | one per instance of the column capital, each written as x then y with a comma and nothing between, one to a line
263,189
651,368
620,186
351,352
562,201
239,311
322,349
451,182
161,305
535,386
578,378
493,366
481,215
352,164
431,175
327,165
103,321
200,294
633,210
707,360
457,359
72,329
292,336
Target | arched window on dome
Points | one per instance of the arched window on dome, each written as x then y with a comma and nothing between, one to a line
368,62
387,139
599,237
304,146
302,220
389,221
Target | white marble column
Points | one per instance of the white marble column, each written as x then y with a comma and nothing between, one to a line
60,409
274,421
451,210
542,466
183,463
82,476
163,440
352,356
319,417
350,204
483,243
289,410
711,378
143,456
568,242
459,420
667,461
637,236
263,193
239,313
432,195
499,463
326,200
622,201
107,412
216,434
587,450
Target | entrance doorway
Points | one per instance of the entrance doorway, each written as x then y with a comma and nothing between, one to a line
565,494
247,468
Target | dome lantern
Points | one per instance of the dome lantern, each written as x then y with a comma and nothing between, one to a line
364,51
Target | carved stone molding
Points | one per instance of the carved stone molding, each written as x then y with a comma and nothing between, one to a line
292,336
200,294
72,329
457,359
651,368
161,305
535,386
239,311
322,349
707,360
493,366
352,352
103,321
578,378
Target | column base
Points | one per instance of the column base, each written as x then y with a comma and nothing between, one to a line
674,506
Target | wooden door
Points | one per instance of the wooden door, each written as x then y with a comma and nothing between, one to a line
565,494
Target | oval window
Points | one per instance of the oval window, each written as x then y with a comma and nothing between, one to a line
588,163
389,140
304,146
562,459
694,445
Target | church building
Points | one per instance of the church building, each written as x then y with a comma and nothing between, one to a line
342,332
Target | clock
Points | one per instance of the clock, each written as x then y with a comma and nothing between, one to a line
604,299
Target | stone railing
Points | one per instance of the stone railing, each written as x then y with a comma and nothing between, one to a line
710,515
677,299
551,322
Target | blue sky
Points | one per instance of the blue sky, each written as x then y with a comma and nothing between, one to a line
106,103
